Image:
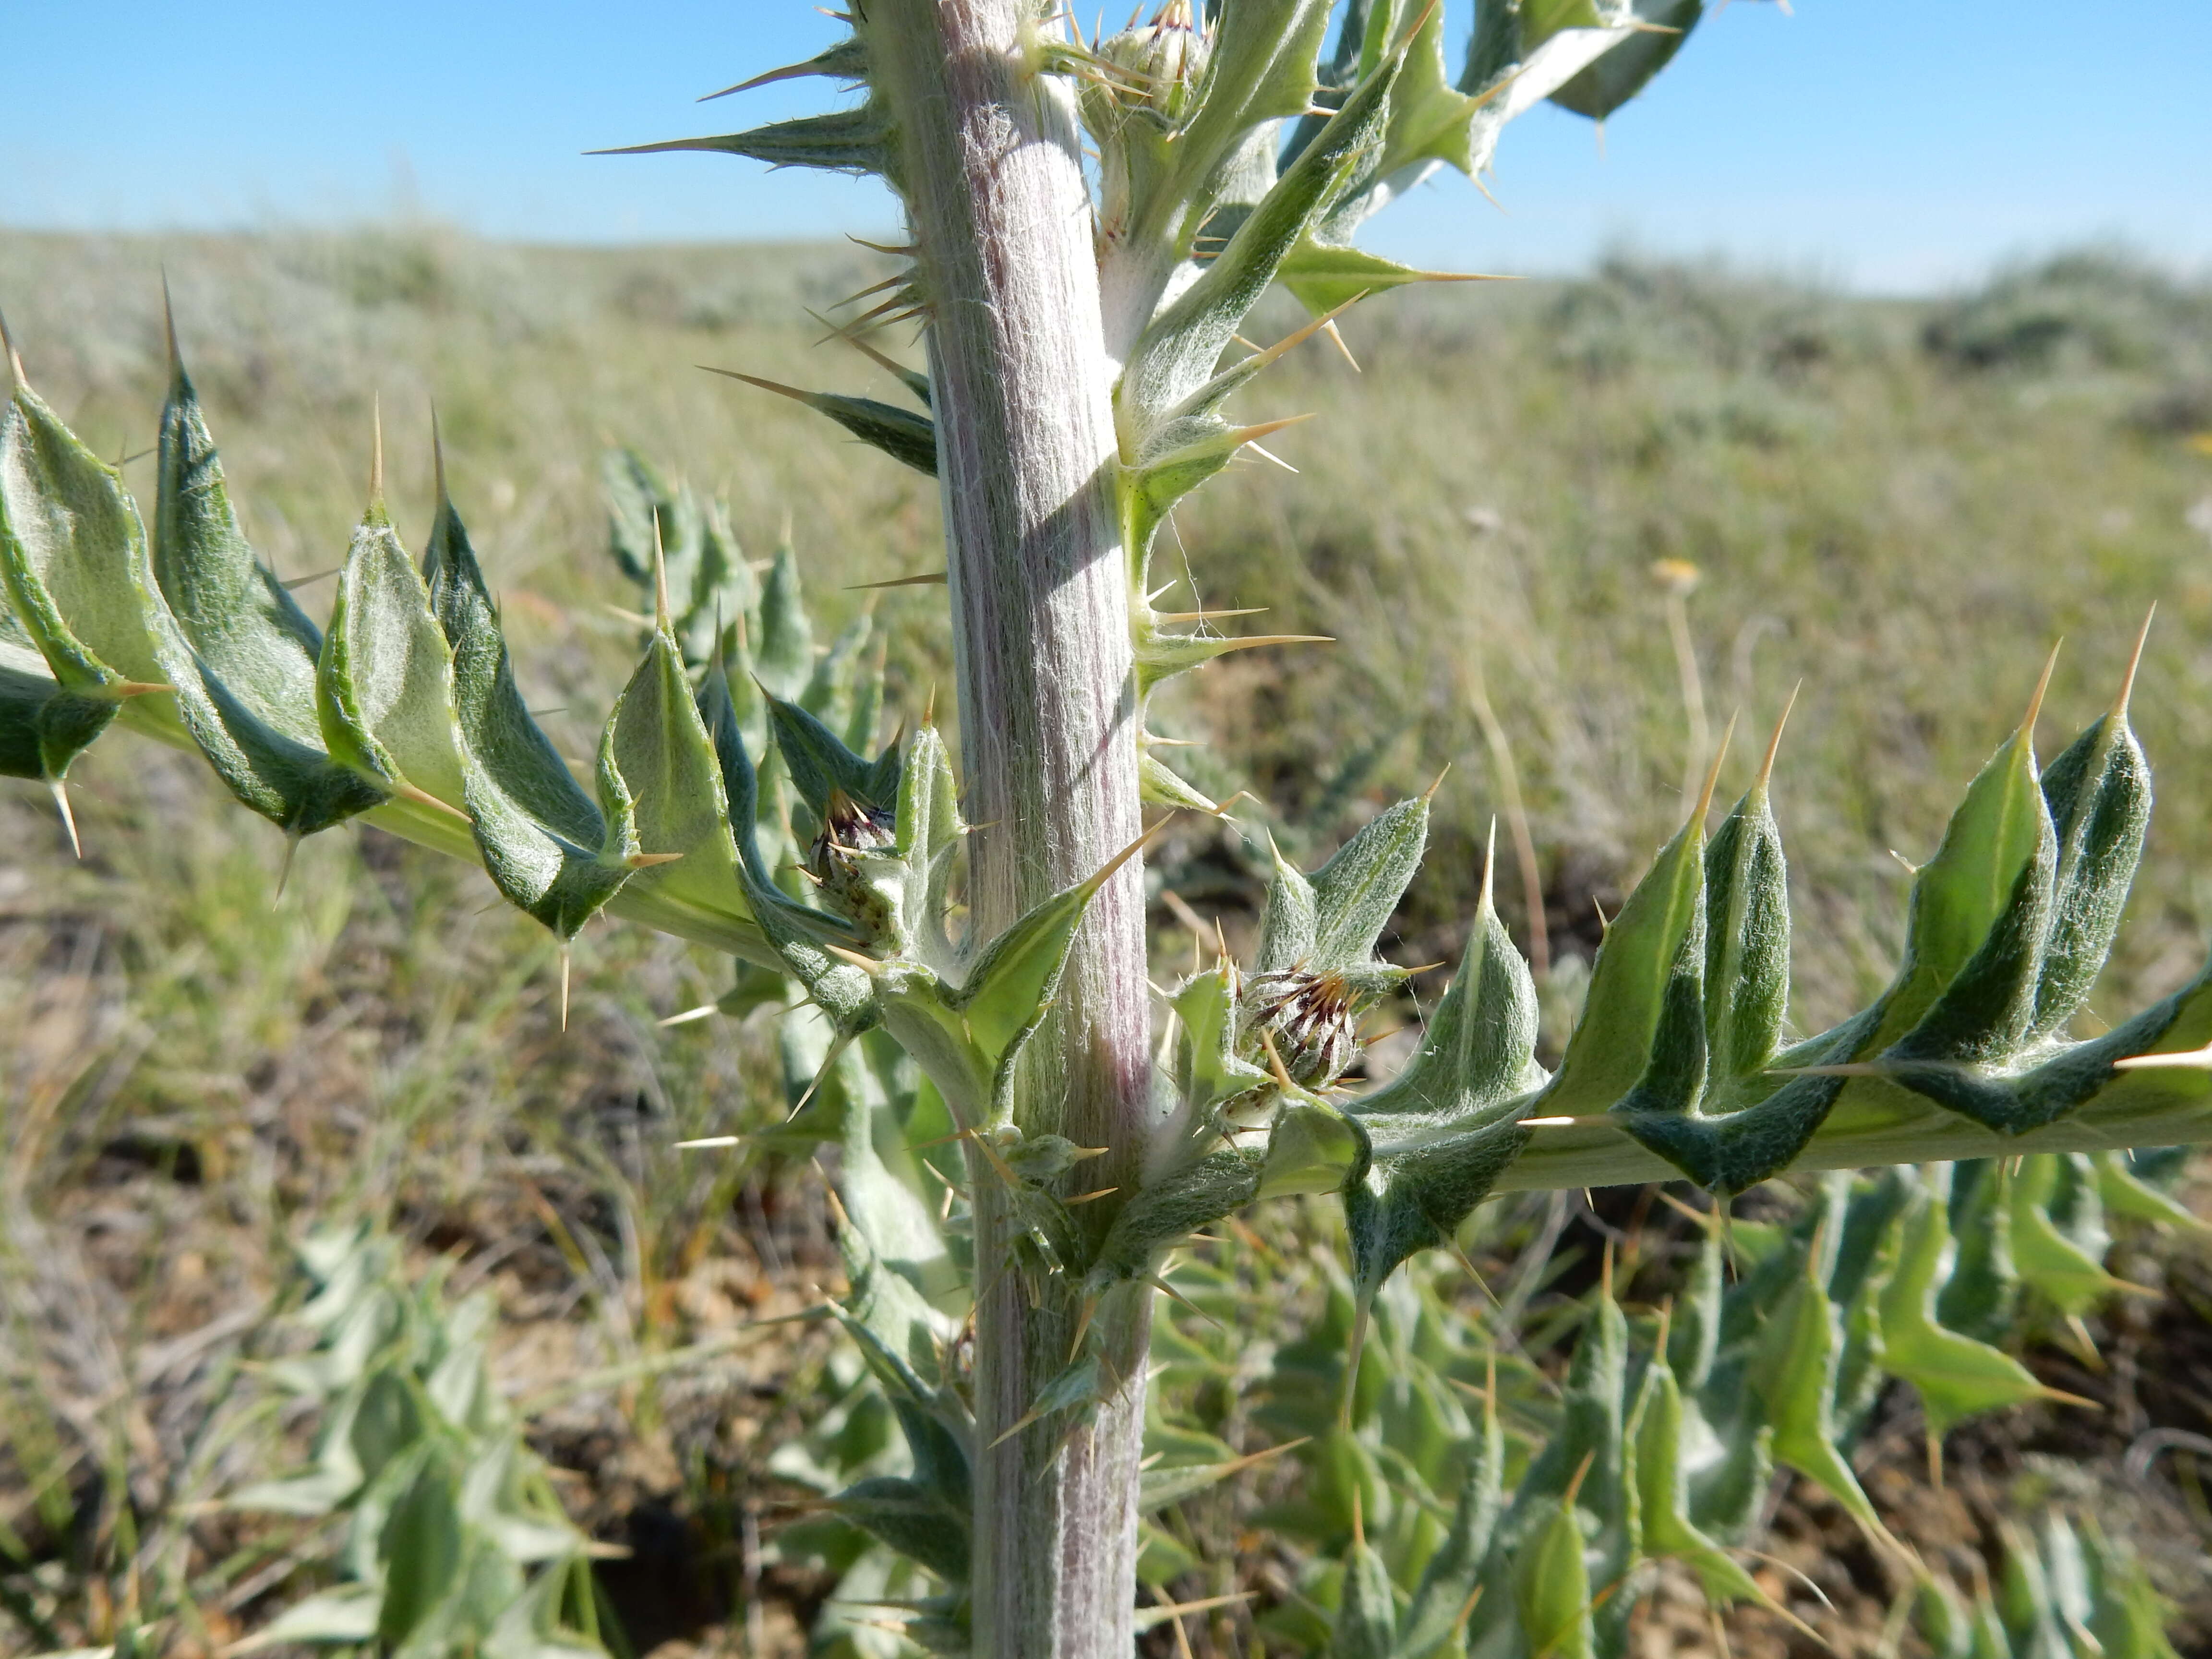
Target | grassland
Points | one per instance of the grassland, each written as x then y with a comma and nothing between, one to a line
1900,506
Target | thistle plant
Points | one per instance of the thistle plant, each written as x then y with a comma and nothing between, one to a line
1082,330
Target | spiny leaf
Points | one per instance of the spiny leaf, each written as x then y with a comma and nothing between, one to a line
1626,68
1289,924
1640,1045
1747,968
543,842
1355,892
656,760
1956,1375
71,554
1003,994
1795,1372
820,764
913,1520
1325,278
849,140
1178,351
846,60
2099,794
384,683
242,655
1446,1126
1367,1610
899,432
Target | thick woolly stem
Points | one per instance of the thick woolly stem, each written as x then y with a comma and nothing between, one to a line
988,159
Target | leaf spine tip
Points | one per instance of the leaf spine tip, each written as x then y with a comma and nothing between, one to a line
408,791
706,1142
1574,1486
17,378
1430,793
1206,615
169,325
1713,776
375,452
1336,339
285,869
69,818
660,579
1774,743
2026,735
1489,869
1106,871
438,459
927,579
564,986
2199,1060
2134,661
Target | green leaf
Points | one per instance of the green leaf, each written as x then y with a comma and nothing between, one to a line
72,554
345,1615
850,141
1367,1611
1178,351
1585,1465
42,727
1262,70
1448,1581
1552,1585
819,762
2099,794
1640,1045
899,432
1658,1433
913,1520
1978,912
1628,67
544,844
656,756
1169,1210
1288,924
1005,992
1956,1375
1447,1124
784,656
1794,1371
1313,1148
1207,1070
1356,892
241,655
385,682
1324,277
1746,969
2068,1272
927,834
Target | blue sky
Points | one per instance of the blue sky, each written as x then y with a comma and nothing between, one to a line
1885,145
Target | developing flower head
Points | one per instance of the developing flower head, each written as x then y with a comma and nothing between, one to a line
1311,1019
1158,66
855,837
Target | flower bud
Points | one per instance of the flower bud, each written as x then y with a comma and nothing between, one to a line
855,837
1158,67
1312,1020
